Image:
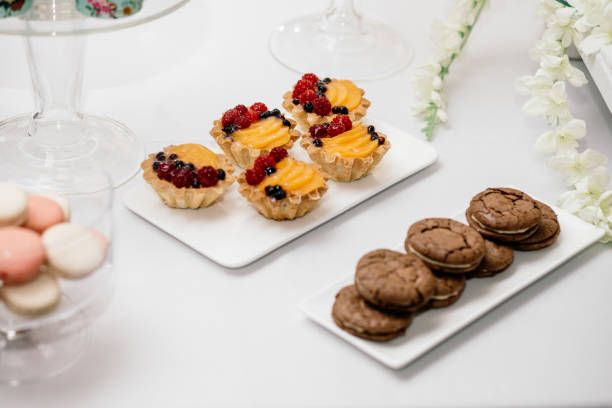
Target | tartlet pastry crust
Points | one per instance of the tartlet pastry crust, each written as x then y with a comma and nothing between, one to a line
187,197
345,168
242,155
306,120
293,206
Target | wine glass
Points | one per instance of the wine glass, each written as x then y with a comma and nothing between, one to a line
340,42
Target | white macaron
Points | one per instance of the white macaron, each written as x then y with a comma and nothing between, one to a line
13,205
73,251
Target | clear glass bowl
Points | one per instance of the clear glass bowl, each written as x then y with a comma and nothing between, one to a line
32,348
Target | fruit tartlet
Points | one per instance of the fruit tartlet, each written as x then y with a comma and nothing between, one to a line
188,175
281,187
244,133
345,150
315,101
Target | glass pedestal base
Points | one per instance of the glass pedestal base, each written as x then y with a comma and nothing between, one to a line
306,44
87,140
33,355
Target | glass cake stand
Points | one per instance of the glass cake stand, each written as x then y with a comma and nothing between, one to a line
34,348
340,42
58,131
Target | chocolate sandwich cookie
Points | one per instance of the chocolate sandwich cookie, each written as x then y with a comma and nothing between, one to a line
394,281
353,314
497,258
504,214
448,289
445,245
547,232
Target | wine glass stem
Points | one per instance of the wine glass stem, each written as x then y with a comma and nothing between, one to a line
342,18
56,67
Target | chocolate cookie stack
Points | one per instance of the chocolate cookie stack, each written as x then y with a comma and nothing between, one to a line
391,287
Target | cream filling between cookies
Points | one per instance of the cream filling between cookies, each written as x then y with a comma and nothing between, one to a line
443,297
431,261
352,327
499,231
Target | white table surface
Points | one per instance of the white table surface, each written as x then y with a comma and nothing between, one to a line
183,331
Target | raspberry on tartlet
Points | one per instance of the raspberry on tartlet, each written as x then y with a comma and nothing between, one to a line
247,133
188,175
316,101
345,150
280,187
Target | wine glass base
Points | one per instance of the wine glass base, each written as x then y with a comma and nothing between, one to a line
304,45
27,357
86,140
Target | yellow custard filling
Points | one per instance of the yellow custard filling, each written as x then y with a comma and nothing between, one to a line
353,143
196,154
294,177
341,92
265,133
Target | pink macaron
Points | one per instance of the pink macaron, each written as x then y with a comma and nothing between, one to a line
43,212
21,255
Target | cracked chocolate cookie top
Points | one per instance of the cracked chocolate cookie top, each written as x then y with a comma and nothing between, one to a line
394,280
504,209
351,311
445,241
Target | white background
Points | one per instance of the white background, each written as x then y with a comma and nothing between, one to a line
183,331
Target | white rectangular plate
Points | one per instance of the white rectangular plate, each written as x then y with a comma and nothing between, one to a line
479,297
233,219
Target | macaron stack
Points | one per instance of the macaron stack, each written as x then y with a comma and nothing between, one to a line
38,244
441,254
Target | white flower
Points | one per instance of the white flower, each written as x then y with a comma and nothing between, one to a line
560,68
590,11
594,184
547,8
447,39
462,12
427,85
562,138
561,27
539,84
552,103
590,200
601,35
545,47
576,165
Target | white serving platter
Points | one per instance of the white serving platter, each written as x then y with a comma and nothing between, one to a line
480,296
252,236
600,68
